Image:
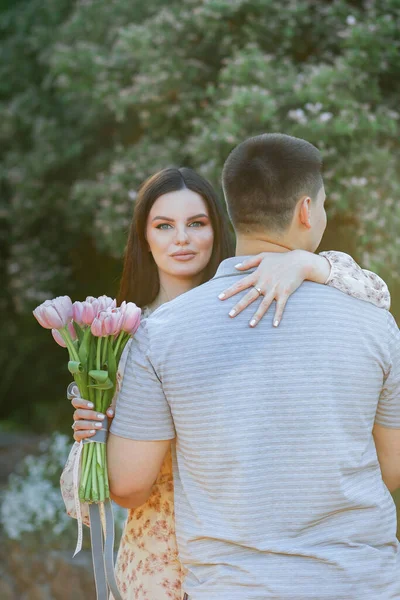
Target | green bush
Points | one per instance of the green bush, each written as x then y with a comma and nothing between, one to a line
97,95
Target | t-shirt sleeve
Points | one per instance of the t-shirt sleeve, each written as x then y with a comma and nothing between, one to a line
388,412
142,411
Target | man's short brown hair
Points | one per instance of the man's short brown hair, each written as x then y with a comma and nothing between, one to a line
264,177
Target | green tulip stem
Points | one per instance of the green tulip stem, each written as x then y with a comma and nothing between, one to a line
80,378
118,342
100,471
95,487
70,345
107,489
98,354
104,356
88,486
98,367
83,490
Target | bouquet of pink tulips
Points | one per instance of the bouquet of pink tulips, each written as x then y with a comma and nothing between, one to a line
95,333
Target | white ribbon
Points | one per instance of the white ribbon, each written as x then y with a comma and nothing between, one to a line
75,481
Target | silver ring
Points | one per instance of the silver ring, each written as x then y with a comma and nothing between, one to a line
73,426
258,290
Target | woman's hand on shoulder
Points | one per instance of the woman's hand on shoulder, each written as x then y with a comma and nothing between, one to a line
277,276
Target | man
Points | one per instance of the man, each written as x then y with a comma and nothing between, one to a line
278,489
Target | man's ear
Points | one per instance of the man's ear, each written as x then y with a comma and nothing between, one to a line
305,211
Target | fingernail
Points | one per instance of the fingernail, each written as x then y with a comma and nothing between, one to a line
276,323
238,265
253,322
221,296
110,412
232,313
92,431
90,405
100,416
98,425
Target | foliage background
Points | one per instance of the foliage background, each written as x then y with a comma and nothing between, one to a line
96,95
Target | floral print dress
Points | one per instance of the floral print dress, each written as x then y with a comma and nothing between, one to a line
148,566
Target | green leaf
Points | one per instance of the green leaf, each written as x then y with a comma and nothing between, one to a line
106,385
75,367
84,347
79,331
112,370
111,363
99,375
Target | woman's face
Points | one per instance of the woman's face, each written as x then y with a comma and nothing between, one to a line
179,234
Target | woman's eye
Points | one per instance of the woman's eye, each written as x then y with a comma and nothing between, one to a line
197,224
164,226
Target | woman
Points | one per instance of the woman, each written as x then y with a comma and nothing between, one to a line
179,235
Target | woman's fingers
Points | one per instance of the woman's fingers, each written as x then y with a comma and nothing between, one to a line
110,412
81,435
81,403
280,307
80,414
250,297
262,309
241,285
264,306
87,425
251,262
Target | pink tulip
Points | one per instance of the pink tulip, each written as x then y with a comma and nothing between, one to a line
91,307
101,303
54,314
113,321
72,332
97,327
58,338
94,302
88,312
106,302
108,322
77,310
132,314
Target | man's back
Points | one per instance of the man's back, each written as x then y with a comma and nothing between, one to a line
278,488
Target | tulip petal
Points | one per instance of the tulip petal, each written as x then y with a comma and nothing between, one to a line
58,338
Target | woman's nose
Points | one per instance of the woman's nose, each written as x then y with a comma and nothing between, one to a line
182,236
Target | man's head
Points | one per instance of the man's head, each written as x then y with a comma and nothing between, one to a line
274,189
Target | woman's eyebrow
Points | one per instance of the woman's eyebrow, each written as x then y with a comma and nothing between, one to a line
160,218
198,216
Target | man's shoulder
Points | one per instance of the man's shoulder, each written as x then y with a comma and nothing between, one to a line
336,305
189,299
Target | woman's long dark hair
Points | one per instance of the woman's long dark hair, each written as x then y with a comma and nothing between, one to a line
140,281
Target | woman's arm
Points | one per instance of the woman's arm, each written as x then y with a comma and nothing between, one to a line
348,277
278,275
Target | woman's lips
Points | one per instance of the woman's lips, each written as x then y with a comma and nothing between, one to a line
184,257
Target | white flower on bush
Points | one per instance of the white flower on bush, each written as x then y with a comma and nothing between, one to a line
32,501
298,115
351,20
325,117
314,108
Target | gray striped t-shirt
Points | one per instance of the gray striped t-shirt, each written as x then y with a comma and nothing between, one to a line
278,490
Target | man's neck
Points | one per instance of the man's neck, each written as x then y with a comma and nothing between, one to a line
249,246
